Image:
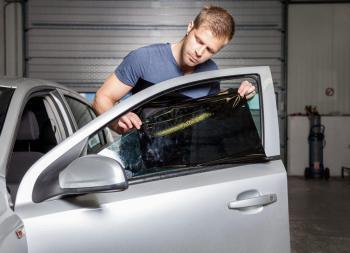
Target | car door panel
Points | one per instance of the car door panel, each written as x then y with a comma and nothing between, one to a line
181,213
190,210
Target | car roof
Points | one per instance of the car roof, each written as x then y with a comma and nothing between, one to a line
27,84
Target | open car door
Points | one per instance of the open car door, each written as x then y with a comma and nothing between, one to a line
204,175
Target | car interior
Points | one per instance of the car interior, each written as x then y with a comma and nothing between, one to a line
35,137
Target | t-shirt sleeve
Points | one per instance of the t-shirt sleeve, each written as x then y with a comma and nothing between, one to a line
212,65
132,67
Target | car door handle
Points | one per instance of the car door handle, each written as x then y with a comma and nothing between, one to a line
253,202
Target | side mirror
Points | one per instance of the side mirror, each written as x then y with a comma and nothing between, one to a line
92,173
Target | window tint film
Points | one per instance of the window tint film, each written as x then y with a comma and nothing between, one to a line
83,114
183,129
5,98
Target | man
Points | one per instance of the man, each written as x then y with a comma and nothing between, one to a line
212,29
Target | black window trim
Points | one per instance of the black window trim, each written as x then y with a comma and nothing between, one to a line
186,171
55,98
63,94
12,90
74,96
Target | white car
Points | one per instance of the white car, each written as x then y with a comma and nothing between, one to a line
202,175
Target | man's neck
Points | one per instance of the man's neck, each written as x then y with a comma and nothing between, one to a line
176,49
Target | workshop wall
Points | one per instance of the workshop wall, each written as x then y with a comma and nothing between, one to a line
336,149
319,58
79,43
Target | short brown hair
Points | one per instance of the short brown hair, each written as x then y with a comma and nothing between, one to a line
219,21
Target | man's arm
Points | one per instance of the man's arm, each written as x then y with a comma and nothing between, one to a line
110,93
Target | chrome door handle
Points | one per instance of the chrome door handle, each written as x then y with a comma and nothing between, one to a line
253,202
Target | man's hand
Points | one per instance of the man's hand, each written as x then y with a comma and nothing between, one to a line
107,96
246,89
126,122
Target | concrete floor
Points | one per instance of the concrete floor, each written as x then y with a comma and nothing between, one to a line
319,215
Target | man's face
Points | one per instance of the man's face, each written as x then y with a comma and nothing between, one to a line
200,45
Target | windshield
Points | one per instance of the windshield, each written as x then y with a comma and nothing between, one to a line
5,98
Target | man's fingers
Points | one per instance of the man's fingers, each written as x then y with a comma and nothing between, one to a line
246,89
243,87
122,125
135,120
129,121
125,119
250,95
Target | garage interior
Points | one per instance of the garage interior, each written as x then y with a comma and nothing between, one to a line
305,43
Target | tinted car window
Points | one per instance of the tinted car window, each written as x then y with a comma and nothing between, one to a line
83,114
198,131
5,98
181,132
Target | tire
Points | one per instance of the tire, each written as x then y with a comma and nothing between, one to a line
327,174
307,173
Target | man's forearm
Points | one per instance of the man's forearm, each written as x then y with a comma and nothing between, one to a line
102,103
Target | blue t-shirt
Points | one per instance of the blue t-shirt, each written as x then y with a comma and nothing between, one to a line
155,63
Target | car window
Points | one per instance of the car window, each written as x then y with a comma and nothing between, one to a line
36,135
209,124
5,98
83,114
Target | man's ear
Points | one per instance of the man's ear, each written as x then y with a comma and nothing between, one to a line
190,27
226,42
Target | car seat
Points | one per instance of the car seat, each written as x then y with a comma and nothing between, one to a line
22,160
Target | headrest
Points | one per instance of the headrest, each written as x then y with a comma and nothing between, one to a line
29,128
